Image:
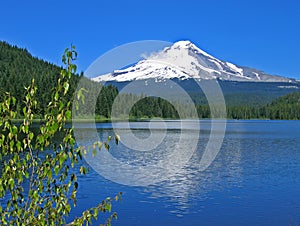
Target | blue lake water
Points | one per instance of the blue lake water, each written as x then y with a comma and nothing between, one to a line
254,180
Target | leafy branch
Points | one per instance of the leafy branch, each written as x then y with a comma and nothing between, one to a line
39,177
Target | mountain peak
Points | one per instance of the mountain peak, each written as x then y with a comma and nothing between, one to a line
186,44
183,44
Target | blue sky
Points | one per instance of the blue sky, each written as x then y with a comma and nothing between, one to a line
260,34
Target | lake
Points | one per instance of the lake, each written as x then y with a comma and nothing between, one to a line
254,179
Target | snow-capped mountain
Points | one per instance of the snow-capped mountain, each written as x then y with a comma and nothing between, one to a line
184,60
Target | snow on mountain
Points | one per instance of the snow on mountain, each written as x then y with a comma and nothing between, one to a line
184,60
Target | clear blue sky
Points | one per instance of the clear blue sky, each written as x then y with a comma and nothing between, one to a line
260,34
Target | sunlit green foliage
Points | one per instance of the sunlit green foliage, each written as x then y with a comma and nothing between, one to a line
38,175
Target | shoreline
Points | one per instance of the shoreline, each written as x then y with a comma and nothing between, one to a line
90,120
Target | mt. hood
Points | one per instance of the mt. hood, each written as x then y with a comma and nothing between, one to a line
184,60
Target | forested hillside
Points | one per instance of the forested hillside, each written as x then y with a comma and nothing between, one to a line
18,67
286,107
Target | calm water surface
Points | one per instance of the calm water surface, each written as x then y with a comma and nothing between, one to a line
254,180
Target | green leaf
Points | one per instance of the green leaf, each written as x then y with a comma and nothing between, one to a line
106,145
73,177
62,159
66,87
18,144
68,114
56,96
28,156
94,152
35,194
100,145
31,135
96,212
11,144
68,208
49,174
59,117
108,207
11,183
56,170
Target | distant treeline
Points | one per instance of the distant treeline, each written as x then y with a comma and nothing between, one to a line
18,67
286,107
